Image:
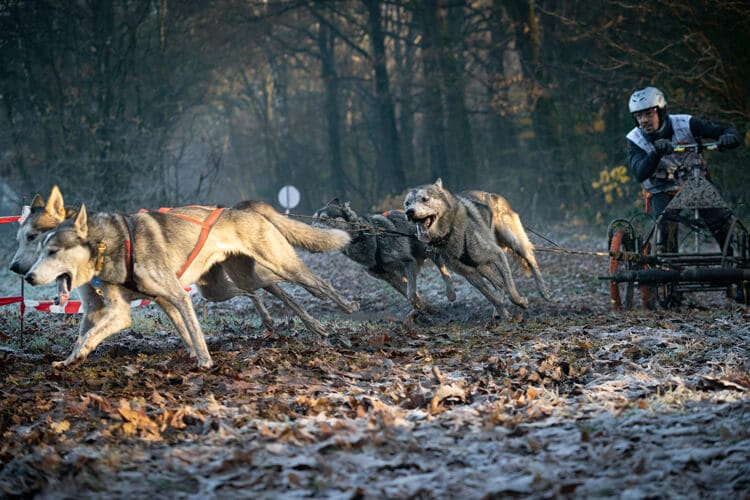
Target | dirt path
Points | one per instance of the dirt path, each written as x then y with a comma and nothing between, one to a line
567,400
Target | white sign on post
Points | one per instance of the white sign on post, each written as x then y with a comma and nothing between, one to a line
289,197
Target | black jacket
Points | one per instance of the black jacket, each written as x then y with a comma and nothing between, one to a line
643,165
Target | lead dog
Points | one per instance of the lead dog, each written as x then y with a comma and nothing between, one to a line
154,255
470,231
39,218
386,246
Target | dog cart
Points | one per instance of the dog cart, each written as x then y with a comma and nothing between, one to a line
699,262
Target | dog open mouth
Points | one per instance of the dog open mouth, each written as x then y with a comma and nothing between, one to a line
63,289
423,225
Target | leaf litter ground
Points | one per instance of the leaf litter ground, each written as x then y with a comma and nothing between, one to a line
567,400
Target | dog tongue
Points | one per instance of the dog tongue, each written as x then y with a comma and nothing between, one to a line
63,294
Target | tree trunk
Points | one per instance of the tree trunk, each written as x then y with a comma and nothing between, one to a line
434,128
462,162
403,58
327,47
387,150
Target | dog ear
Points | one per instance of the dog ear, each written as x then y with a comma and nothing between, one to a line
80,224
37,202
25,212
55,206
348,212
439,183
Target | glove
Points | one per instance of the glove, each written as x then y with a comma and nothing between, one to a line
663,147
728,141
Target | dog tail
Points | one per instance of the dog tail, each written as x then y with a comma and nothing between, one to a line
299,234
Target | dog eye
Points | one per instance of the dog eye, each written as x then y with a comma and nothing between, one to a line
31,237
52,251
425,199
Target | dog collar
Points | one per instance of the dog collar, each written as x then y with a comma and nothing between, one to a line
96,281
439,243
100,249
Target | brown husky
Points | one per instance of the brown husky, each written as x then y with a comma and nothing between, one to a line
154,255
39,218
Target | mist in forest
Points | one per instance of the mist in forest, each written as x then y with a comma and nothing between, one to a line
156,103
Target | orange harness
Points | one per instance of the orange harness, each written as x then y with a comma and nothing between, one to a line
206,226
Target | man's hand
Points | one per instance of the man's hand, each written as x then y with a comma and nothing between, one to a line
663,147
728,141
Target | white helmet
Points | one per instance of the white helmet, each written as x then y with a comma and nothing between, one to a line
647,98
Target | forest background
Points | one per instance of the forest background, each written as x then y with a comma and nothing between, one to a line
143,103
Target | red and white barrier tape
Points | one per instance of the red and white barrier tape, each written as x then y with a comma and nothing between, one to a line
48,306
9,218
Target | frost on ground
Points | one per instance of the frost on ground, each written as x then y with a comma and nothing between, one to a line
569,399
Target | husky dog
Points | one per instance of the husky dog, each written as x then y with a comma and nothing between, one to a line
39,218
386,245
470,231
154,255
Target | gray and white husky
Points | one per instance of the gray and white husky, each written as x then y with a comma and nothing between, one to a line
154,255
471,231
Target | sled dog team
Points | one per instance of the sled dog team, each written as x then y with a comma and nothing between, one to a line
114,258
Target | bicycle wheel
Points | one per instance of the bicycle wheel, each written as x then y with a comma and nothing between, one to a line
621,294
648,295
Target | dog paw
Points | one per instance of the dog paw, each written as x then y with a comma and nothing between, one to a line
316,327
428,309
522,302
352,307
501,314
205,364
343,340
72,360
409,318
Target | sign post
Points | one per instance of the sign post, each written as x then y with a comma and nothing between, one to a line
289,197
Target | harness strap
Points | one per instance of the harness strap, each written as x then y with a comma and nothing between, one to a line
166,210
465,258
129,266
206,226
646,198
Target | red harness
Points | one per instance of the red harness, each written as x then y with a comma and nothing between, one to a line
206,226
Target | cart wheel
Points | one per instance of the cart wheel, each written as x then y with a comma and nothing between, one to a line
621,294
648,296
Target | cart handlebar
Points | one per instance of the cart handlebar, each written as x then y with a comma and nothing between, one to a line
697,147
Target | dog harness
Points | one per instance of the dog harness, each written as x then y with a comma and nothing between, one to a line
130,283
101,248
205,224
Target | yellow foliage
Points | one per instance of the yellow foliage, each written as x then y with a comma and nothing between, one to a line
596,126
599,125
613,183
60,427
